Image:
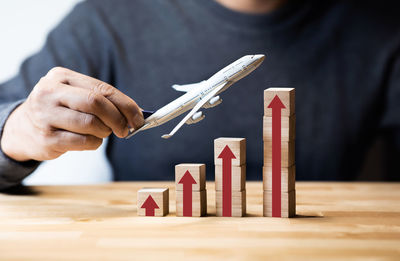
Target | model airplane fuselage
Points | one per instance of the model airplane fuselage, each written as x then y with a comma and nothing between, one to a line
201,95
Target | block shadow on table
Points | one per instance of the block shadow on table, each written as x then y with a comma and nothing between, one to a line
307,216
21,190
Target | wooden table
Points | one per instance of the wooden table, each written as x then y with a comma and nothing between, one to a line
341,221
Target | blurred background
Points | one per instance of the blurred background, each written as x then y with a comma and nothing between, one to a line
24,32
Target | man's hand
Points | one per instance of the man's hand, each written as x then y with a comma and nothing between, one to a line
67,111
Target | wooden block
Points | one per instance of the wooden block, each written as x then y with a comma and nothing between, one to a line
286,95
238,177
236,145
288,178
153,202
287,154
238,203
288,204
198,172
288,128
199,203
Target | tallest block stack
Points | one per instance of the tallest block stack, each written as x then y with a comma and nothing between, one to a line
279,168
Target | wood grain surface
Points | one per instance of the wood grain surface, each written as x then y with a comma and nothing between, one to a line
335,221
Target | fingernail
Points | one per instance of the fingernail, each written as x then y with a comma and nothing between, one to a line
138,121
125,132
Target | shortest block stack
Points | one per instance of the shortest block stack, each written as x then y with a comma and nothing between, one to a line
191,196
153,202
279,169
230,176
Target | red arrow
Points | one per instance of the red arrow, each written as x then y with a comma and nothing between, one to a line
149,205
187,181
276,105
226,155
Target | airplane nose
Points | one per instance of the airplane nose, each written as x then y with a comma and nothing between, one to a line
259,58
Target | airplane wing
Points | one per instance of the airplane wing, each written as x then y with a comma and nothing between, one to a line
193,111
187,87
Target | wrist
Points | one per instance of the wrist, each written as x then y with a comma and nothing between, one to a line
11,143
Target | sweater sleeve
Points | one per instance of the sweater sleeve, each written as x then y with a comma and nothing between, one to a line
76,43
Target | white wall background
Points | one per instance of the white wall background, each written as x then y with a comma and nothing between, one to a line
24,25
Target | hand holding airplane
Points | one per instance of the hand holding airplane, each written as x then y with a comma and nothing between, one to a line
200,95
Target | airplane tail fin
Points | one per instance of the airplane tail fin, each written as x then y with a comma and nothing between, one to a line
133,131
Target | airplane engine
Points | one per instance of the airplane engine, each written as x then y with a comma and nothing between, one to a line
198,116
214,101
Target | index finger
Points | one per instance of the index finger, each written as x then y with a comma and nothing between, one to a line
124,103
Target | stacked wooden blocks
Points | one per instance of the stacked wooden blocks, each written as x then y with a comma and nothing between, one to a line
279,169
153,202
191,195
230,176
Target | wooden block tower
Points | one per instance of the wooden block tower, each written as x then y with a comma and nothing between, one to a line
153,202
279,169
191,196
230,176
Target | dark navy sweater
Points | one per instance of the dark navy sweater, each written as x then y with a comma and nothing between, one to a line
341,56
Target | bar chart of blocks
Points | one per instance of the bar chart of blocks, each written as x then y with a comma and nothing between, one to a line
278,172
191,195
153,202
230,176
279,153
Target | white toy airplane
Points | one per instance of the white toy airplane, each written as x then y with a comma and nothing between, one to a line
199,95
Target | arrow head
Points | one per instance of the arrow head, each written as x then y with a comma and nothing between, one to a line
149,203
187,179
276,103
226,153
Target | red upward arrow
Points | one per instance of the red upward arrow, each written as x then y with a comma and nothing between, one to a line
226,155
187,181
149,205
276,105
